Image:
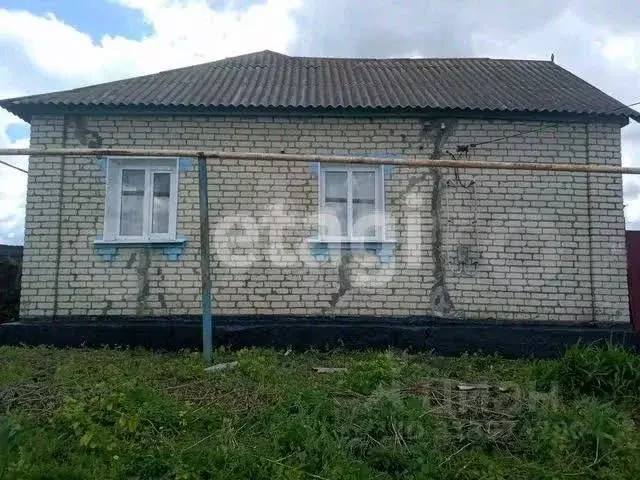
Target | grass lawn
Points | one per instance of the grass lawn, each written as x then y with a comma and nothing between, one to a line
103,414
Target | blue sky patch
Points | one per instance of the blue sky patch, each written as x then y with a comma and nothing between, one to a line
94,17
17,131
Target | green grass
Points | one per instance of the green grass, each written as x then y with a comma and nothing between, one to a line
106,414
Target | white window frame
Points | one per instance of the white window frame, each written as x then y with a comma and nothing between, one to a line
113,197
379,202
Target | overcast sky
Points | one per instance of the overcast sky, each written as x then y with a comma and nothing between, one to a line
48,45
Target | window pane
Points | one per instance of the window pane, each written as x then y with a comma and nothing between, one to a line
336,203
364,204
364,185
161,197
364,220
132,203
335,186
336,227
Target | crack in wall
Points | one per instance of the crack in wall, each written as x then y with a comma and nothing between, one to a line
86,137
107,307
131,260
439,131
163,303
344,279
440,298
142,299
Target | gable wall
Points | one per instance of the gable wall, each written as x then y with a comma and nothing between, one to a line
543,251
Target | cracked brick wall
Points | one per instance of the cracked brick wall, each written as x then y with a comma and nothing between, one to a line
518,245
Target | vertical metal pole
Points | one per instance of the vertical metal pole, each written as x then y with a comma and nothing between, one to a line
205,259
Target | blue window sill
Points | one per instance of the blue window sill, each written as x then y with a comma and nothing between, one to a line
108,249
384,250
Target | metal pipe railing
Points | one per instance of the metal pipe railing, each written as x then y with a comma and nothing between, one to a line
294,157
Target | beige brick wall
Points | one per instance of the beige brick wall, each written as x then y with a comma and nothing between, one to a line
515,245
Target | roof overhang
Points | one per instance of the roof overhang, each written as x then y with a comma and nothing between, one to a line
27,111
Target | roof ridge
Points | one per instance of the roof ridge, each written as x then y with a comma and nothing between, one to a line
412,59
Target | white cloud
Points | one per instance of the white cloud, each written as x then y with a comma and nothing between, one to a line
624,50
185,32
188,31
13,188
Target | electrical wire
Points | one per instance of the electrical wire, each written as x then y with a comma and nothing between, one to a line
456,174
13,166
465,148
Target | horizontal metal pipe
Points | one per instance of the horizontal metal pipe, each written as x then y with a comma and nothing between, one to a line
293,157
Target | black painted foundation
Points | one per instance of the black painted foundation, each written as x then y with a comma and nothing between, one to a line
444,337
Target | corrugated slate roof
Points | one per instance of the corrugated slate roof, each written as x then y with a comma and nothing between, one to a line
275,81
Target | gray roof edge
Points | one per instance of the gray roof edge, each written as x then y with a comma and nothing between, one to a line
26,112
625,109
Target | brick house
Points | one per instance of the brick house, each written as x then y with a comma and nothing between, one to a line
114,237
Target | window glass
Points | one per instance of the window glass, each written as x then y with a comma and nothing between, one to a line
132,202
364,203
161,197
141,203
336,203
